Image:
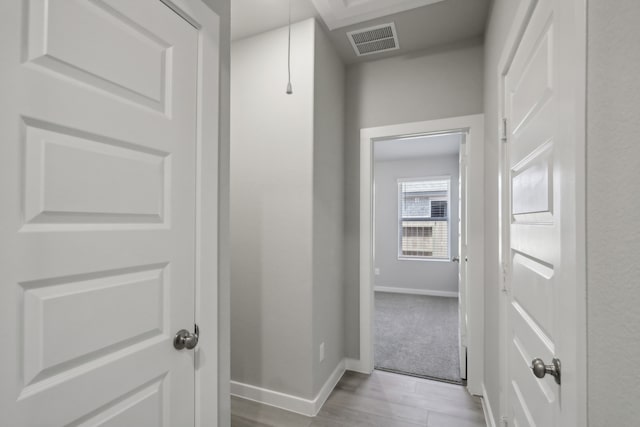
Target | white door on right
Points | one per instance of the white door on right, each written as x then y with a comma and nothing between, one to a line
545,163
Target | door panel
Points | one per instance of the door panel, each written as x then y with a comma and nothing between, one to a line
121,56
531,289
531,77
532,185
60,165
541,109
143,406
534,235
98,227
64,307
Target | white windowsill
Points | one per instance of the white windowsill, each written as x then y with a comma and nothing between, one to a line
401,258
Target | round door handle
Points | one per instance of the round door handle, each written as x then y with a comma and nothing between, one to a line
540,370
185,339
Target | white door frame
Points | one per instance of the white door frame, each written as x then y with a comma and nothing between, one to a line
516,32
474,126
207,22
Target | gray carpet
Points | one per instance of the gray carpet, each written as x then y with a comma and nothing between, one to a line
417,335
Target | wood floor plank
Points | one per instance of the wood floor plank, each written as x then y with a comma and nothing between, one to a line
334,416
382,399
265,415
437,419
426,394
237,421
378,405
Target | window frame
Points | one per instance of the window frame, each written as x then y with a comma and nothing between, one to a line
400,255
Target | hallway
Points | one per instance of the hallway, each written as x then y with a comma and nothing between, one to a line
383,399
200,201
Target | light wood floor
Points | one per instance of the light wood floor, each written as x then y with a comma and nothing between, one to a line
382,399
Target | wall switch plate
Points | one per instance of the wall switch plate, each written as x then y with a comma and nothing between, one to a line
376,271
321,352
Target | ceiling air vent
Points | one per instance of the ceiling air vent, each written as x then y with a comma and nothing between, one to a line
380,38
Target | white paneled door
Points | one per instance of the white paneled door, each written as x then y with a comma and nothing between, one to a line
97,230
542,263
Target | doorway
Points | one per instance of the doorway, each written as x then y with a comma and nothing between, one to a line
471,294
417,237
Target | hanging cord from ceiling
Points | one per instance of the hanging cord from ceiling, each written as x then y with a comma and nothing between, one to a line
289,87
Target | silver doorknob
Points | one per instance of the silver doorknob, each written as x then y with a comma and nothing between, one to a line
540,369
186,339
455,259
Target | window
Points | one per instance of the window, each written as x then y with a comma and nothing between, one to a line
424,218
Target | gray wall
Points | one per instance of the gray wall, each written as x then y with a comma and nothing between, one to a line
271,211
287,211
500,20
328,209
426,85
412,274
223,9
613,203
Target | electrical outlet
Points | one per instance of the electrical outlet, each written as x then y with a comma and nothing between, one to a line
376,271
321,352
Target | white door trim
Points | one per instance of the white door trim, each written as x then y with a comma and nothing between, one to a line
521,19
207,22
520,22
474,125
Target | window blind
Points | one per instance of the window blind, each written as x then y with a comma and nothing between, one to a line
424,218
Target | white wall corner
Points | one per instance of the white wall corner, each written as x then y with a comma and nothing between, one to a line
486,408
328,386
288,402
356,365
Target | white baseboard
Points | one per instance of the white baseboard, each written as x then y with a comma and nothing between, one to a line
486,408
412,291
288,402
328,386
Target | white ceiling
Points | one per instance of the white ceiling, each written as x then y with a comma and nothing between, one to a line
417,147
442,23
340,13
250,17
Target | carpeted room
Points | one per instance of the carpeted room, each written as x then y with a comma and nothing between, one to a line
416,324
417,335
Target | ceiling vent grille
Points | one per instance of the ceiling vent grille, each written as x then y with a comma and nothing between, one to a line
380,38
